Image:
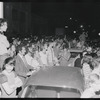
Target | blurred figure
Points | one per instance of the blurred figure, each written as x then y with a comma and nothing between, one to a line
43,56
94,86
82,38
64,56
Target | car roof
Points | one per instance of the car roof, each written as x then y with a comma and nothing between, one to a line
58,76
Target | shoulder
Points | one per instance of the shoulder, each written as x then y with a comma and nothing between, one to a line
78,59
3,36
18,57
3,78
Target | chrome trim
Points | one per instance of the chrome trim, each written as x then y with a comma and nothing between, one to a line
32,89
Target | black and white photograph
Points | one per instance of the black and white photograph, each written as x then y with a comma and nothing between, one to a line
50,49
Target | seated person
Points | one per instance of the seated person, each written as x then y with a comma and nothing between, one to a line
9,79
31,58
22,68
93,86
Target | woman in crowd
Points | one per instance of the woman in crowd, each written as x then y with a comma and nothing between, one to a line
10,80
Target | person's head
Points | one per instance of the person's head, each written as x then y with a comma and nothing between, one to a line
29,48
15,41
3,25
22,49
8,64
13,47
87,59
65,47
96,62
58,45
94,77
45,46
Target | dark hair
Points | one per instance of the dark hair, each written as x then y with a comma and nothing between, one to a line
65,46
19,47
7,60
81,55
2,20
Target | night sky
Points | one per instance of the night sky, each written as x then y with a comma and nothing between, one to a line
58,13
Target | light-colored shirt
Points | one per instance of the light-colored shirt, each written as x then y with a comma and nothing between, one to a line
96,71
28,59
43,58
86,70
4,44
35,63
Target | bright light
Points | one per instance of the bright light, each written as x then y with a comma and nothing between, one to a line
81,26
66,26
74,31
70,18
99,34
64,86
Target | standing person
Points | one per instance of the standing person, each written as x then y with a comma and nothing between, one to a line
9,79
64,56
82,38
4,43
50,54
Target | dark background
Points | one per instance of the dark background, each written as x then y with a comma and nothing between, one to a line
44,16
86,12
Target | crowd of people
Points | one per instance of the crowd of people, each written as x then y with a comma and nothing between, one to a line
22,57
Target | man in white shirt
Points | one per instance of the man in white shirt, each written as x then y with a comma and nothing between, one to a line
28,56
31,59
4,43
43,57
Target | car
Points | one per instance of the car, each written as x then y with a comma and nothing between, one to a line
55,82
